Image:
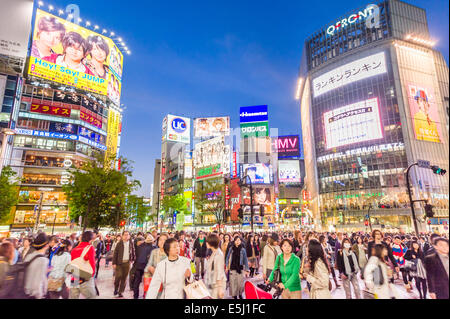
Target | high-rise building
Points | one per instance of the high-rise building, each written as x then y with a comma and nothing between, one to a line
374,100
68,110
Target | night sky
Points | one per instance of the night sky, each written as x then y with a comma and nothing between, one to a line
208,58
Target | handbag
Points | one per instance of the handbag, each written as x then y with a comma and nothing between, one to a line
197,290
55,284
79,267
277,273
193,267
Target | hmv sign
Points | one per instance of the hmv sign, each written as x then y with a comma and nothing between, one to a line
287,146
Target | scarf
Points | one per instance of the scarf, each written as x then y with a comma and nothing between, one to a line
236,259
348,268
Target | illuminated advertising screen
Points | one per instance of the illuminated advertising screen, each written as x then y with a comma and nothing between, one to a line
424,112
51,110
250,114
112,139
178,129
258,173
262,196
258,129
212,158
287,146
211,126
63,127
66,53
351,72
354,123
289,171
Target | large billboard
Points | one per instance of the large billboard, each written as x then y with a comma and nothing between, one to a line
349,73
66,53
424,112
211,126
287,146
112,140
177,128
289,171
258,129
258,173
354,123
16,26
212,158
250,114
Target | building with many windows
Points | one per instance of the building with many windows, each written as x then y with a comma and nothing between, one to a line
374,100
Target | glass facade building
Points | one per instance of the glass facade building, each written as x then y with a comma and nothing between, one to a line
365,81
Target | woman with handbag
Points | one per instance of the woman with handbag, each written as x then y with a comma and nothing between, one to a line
287,266
57,278
271,251
215,269
171,273
237,266
315,271
415,265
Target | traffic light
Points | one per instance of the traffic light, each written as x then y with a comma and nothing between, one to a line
366,223
429,210
437,170
122,223
240,213
261,210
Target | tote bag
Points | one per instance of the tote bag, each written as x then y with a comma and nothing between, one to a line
79,267
197,290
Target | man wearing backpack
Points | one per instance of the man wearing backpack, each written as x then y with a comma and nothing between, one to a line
35,285
80,285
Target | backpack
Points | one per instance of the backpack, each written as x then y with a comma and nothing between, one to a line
13,286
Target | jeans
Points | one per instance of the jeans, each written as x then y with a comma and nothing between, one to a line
87,289
137,282
352,279
199,267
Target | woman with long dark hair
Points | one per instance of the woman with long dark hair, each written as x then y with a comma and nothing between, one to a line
316,271
415,263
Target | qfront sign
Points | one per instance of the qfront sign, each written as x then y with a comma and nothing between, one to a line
351,19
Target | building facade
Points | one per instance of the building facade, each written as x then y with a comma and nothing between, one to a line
374,100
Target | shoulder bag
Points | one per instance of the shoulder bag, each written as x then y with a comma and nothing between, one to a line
79,267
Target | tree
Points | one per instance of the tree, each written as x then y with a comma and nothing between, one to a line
136,209
97,192
172,203
210,199
8,193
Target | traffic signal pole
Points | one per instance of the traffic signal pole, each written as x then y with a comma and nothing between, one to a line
410,198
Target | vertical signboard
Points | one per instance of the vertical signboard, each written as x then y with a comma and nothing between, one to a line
113,134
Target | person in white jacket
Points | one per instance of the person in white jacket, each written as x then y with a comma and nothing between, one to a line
171,273
215,268
376,273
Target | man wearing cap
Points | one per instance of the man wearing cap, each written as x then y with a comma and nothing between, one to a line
143,251
36,273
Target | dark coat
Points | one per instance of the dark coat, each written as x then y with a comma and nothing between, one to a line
200,250
248,249
143,252
118,253
436,276
390,255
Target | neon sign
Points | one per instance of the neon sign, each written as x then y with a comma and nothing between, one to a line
370,11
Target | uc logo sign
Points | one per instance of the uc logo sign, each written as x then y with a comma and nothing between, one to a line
178,125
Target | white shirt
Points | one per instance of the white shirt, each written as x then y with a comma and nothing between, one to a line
171,275
126,251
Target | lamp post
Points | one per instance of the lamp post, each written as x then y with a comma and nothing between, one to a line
54,219
157,213
36,224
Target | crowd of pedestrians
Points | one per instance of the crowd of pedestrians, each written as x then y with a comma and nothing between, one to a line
217,265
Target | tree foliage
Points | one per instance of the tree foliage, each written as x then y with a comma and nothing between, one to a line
171,203
97,192
210,199
136,209
8,193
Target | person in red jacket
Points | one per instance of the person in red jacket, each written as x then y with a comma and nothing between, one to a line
78,285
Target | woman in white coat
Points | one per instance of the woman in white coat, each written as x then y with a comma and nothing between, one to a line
316,271
171,273
376,273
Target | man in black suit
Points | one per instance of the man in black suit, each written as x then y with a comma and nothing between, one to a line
437,270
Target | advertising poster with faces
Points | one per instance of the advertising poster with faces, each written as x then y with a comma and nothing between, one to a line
211,126
289,171
424,113
258,173
69,54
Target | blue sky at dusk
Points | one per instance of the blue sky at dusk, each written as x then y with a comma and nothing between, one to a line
207,58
